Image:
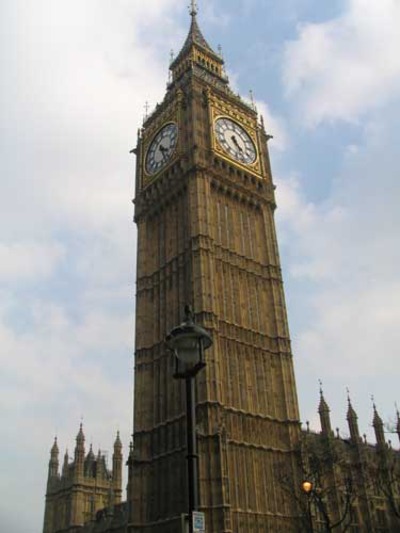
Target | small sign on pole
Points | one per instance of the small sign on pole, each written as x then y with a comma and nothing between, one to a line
199,522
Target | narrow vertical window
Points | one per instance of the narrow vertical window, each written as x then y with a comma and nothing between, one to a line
219,223
242,234
251,237
257,306
227,226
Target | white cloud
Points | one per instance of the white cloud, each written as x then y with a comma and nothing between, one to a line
75,77
342,256
275,126
29,260
342,68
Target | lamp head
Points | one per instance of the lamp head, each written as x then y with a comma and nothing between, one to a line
307,486
188,342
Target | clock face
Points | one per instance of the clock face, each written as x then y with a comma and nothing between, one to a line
161,148
235,140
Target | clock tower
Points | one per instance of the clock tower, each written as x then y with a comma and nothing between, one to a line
204,210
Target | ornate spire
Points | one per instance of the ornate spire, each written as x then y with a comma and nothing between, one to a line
80,438
195,38
323,410
117,443
79,452
90,454
377,420
53,463
352,419
378,426
351,414
323,406
54,449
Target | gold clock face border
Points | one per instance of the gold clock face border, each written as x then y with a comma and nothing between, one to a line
254,166
150,176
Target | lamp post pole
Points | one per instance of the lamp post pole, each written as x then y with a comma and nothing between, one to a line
188,342
192,458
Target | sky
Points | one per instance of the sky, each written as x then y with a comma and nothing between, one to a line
75,78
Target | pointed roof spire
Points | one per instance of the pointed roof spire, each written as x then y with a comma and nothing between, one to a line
352,419
117,443
90,454
351,414
195,37
323,406
378,426
80,438
54,448
377,420
323,410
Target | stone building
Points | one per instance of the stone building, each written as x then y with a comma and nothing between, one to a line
204,210
84,486
355,485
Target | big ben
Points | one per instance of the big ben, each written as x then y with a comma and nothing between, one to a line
204,210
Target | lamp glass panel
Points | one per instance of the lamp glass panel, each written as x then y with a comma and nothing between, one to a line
187,349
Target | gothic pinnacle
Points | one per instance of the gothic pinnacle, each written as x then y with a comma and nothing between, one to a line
54,449
350,411
323,406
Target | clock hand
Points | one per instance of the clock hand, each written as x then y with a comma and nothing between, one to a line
236,143
164,152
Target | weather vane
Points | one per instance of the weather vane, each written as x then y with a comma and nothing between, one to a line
193,8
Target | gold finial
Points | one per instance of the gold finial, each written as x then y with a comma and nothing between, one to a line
253,105
146,111
193,8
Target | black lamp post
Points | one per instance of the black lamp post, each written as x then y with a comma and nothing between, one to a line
188,342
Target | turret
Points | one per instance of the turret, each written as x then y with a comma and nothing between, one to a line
117,469
324,416
79,452
53,463
352,420
378,428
